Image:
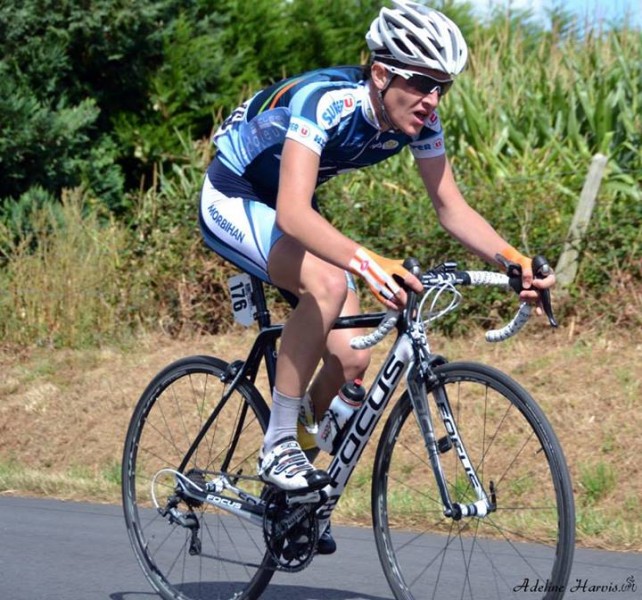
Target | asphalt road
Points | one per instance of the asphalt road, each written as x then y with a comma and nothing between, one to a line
53,550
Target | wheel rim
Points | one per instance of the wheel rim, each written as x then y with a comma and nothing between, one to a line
524,543
226,555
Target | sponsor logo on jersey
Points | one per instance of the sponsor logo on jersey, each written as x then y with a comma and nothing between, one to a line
387,145
333,106
299,129
307,134
434,144
433,122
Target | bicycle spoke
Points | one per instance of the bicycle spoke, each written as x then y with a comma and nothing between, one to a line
188,430
475,557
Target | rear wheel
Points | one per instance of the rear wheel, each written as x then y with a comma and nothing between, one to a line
182,432
529,539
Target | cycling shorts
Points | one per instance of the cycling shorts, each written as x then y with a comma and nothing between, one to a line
238,224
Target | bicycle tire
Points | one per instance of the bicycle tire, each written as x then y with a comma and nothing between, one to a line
233,561
527,544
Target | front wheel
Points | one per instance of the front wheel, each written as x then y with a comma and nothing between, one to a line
526,544
184,432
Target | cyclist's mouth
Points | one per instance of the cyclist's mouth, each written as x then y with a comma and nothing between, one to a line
420,118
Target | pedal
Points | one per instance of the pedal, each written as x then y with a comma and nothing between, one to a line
444,444
305,497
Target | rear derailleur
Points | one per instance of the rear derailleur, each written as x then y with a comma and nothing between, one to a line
187,519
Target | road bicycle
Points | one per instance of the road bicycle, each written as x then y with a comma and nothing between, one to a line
471,495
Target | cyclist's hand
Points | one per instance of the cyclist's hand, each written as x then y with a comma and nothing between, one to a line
531,287
384,277
524,287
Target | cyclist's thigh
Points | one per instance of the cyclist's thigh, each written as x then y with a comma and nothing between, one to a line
293,268
241,230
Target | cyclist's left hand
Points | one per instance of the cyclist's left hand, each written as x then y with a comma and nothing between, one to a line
530,284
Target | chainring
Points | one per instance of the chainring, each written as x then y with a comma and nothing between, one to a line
291,533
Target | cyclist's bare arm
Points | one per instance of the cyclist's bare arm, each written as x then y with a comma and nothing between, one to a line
296,218
466,225
294,213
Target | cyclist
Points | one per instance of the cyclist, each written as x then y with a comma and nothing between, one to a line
258,207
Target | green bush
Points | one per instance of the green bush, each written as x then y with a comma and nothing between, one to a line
66,69
119,101
65,282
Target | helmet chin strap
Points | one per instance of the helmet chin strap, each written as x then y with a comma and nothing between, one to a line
382,108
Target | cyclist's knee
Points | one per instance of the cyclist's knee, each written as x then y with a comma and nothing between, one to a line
327,286
356,365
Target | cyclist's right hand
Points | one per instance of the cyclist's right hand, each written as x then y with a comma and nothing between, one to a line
384,277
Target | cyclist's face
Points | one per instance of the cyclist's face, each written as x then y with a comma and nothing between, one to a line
409,107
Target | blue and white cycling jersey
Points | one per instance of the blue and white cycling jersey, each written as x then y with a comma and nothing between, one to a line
329,111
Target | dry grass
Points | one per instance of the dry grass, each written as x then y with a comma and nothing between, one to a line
64,415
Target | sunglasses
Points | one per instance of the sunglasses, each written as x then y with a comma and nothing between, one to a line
422,83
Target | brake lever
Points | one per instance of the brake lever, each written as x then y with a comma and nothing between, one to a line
412,264
541,270
514,272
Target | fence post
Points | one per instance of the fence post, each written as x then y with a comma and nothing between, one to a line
568,262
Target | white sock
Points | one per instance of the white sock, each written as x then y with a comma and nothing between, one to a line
283,419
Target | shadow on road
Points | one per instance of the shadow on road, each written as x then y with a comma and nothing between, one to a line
273,592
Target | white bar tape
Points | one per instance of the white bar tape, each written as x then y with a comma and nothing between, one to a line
510,329
488,278
385,327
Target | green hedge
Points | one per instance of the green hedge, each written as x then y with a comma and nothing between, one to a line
119,102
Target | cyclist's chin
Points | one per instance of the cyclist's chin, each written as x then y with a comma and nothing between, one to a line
411,125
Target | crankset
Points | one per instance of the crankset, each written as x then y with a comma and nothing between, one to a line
290,528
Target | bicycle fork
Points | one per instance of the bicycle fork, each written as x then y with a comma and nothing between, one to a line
421,379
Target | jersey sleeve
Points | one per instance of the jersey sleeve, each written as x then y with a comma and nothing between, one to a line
316,111
430,141
307,133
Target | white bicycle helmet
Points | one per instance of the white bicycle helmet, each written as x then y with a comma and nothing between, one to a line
414,34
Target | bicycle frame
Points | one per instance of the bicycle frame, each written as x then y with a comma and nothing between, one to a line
409,354
468,471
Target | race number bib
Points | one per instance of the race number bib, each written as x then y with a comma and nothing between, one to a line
240,287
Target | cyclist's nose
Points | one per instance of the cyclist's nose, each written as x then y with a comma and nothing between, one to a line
431,99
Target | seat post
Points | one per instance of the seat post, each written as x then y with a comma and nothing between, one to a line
258,298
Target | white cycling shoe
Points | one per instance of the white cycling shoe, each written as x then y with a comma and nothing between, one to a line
287,467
